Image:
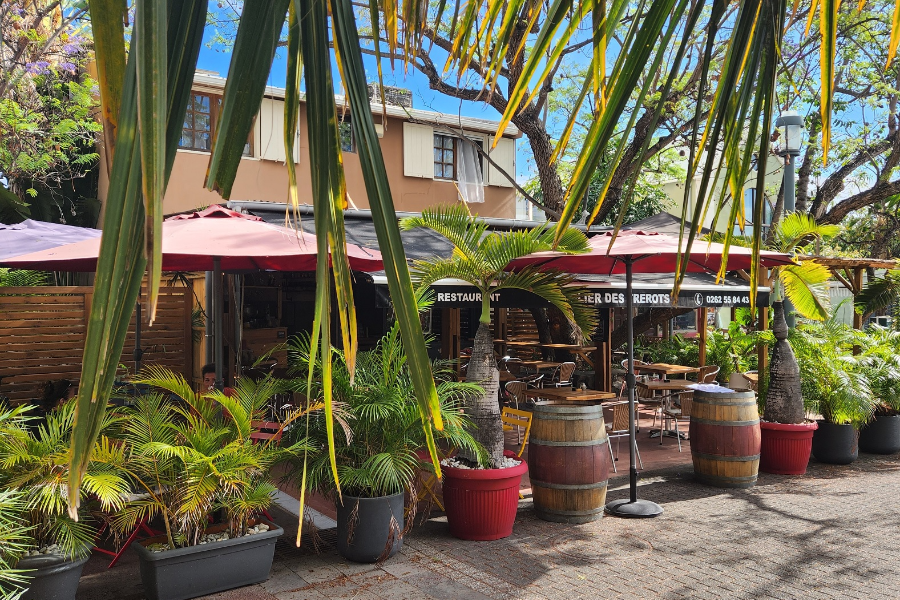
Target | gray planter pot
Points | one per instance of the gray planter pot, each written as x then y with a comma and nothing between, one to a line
200,570
53,578
881,435
367,538
835,444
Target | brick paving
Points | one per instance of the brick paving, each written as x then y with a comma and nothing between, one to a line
830,534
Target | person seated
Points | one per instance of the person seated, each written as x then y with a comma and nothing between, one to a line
209,380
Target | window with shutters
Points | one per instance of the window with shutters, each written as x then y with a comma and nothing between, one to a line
444,157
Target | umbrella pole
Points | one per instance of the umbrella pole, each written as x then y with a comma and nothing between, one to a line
210,353
219,318
138,351
632,507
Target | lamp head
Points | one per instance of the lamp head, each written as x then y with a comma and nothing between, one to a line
790,125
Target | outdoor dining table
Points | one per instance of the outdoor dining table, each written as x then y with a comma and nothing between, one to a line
665,369
568,394
537,365
673,386
582,351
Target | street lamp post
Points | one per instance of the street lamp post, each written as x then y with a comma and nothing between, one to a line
790,125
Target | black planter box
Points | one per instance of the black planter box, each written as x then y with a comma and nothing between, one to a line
214,567
53,577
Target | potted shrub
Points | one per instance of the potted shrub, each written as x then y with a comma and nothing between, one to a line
881,358
483,505
14,543
835,385
378,445
36,466
786,433
191,456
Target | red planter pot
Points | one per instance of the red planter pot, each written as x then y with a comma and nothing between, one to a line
785,448
481,504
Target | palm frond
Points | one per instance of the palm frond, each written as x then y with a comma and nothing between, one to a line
879,293
805,286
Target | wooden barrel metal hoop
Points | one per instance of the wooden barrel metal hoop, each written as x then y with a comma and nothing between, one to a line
725,438
568,461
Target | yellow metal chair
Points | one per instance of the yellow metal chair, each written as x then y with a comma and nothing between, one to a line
520,419
427,481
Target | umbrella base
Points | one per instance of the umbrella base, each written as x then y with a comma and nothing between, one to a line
639,509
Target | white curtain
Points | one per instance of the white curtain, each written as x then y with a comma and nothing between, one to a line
471,184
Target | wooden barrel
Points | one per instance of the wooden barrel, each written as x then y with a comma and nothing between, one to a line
568,461
725,438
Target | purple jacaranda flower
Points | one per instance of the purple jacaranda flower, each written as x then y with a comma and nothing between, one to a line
41,67
67,66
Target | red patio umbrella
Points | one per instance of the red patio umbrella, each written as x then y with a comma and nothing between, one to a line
214,239
644,252
192,242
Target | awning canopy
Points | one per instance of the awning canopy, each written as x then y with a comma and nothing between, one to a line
650,289
34,236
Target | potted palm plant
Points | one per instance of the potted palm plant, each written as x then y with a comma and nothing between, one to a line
379,443
880,356
14,543
481,502
882,434
35,468
835,385
189,456
786,433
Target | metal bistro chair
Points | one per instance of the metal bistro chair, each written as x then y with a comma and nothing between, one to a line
674,413
708,374
616,419
515,392
520,419
562,376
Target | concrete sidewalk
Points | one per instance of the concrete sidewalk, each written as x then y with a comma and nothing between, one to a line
830,534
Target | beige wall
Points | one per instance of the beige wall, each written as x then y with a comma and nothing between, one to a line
266,180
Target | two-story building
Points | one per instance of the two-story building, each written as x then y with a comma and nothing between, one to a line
422,153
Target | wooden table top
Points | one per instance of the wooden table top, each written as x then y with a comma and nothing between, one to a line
524,343
540,364
665,384
666,369
569,394
754,377
570,347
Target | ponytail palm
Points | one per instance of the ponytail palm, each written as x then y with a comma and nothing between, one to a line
805,286
480,259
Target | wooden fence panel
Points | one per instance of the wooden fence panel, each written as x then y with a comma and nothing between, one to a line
42,334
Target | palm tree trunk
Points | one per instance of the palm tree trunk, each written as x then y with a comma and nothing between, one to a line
784,400
485,410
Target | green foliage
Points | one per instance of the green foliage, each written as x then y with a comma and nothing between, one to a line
48,129
189,455
23,278
15,542
34,459
676,350
834,382
734,350
880,358
381,424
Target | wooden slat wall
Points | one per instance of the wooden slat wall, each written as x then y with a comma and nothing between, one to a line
42,333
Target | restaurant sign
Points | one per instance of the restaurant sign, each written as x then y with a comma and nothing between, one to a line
686,299
460,296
